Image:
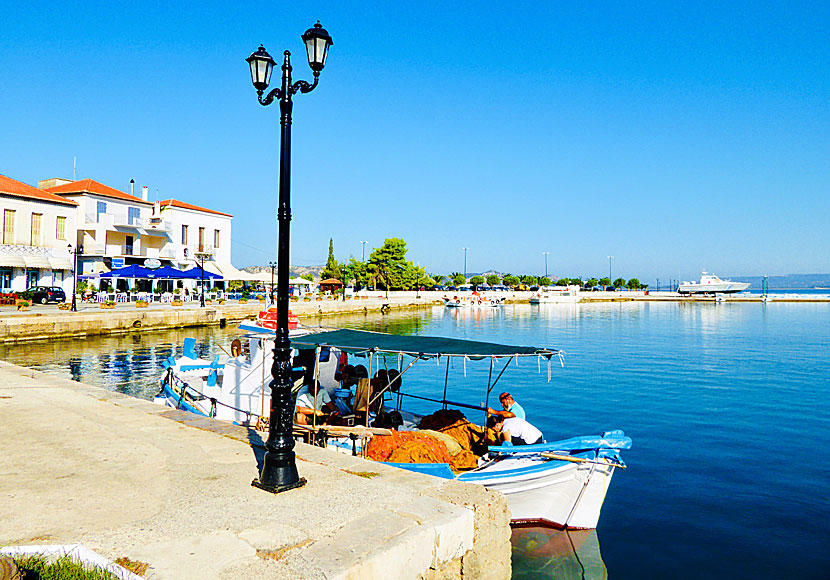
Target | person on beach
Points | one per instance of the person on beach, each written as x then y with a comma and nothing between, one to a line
514,431
309,405
511,408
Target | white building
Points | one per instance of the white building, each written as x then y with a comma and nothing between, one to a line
38,227
114,228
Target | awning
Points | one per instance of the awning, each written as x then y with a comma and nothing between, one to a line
229,272
60,263
12,261
361,341
37,262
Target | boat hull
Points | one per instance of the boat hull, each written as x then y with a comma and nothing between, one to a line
568,495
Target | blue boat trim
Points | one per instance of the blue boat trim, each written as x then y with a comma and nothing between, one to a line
171,395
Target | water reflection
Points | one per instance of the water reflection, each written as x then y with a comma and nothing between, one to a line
540,552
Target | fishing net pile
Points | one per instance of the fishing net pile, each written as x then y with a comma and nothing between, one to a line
446,436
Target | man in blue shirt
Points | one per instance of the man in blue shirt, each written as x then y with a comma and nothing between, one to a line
511,408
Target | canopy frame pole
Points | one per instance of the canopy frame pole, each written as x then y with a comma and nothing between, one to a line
316,389
369,399
389,385
446,380
489,388
504,368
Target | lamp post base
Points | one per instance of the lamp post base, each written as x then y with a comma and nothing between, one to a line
275,489
279,473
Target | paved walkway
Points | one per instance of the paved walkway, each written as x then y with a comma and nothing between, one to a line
125,477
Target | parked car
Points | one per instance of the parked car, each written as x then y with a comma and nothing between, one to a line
45,294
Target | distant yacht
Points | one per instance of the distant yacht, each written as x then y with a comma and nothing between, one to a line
711,284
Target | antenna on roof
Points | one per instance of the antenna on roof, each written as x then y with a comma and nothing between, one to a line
74,168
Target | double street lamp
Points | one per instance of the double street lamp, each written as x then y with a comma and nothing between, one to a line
279,469
273,266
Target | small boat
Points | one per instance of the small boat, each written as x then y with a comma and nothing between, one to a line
556,295
476,300
711,284
560,484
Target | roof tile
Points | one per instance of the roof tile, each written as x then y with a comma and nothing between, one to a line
183,205
17,188
93,187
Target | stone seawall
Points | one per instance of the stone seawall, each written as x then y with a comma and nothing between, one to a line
125,477
20,327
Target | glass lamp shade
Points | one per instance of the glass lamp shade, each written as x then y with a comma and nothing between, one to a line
261,65
317,43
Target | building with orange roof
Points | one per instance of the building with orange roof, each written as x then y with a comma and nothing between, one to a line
38,227
115,228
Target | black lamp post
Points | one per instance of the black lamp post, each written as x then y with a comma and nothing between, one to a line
279,469
201,257
75,252
273,267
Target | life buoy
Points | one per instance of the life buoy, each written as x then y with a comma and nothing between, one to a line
236,347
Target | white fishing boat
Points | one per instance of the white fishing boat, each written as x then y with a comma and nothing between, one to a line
556,295
711,284
560,484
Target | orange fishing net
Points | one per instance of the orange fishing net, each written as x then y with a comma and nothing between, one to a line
407,447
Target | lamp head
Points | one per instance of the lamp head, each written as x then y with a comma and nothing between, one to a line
261,65
317,42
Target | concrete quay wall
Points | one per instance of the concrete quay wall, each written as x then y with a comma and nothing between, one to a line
21,327
125,477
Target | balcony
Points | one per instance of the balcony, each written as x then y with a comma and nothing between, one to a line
117,250
123,220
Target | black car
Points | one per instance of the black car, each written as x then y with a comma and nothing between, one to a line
45,294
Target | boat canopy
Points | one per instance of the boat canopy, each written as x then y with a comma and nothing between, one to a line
361,341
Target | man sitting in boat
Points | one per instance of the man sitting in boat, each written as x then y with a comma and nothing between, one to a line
511,408
311,401
515,431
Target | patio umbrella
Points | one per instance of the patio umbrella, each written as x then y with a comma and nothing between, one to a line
199,274
131,271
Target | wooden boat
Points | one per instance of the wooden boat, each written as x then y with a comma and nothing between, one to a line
562,484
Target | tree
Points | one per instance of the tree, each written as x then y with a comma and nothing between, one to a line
591,282
477,281
357,271
633,284
309,277
510,280
563,281
390,269
529,280
619,282
458,278
493,280
437,278
544,281
605,282
333,268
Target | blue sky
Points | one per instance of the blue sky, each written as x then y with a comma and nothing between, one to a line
674,137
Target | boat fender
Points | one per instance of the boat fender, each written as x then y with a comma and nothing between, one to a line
236,347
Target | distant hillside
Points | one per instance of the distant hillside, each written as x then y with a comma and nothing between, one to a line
797,281
293,271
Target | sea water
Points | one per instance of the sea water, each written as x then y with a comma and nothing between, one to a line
727,405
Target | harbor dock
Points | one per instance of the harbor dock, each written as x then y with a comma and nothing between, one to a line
128,478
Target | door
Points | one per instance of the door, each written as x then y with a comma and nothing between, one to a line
128,246
31,278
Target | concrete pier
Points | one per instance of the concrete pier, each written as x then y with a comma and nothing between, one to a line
125,477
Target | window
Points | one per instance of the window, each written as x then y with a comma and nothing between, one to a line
36,218
184,235
133,215
216,239
201,239
60,228
101,208
8,226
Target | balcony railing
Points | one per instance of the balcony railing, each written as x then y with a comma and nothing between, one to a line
123,219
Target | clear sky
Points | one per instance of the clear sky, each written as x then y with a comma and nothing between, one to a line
673,136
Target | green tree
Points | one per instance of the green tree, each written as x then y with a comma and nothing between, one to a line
309,277
605,282
510,280
619,282
544,281
529,280
333,268
633,284
563,281
591,282
437,278
458,278
390,269
493,280
477,281
357,271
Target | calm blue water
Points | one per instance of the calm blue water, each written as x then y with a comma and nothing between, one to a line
727,405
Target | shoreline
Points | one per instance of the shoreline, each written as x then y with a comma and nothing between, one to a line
90,320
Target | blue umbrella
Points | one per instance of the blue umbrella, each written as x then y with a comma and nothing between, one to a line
168,273
131,271
199,274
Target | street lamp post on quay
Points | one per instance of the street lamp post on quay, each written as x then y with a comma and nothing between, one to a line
609,269
545,254
273,266
465,264
75,252
364,242
279,469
